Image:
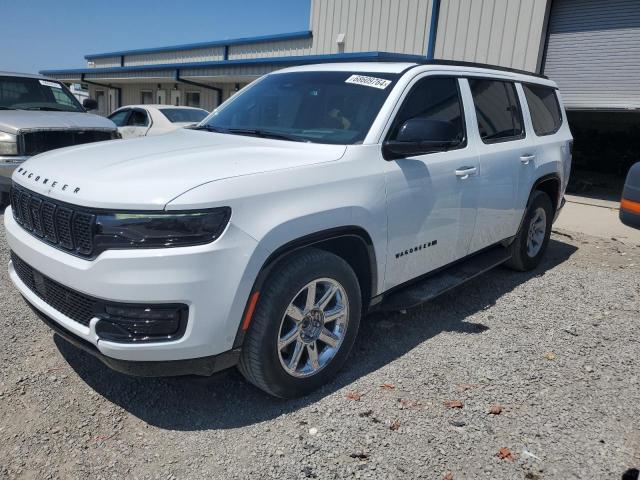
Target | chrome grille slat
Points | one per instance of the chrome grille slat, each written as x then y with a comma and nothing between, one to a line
60,225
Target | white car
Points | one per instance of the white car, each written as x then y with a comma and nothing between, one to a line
313,196
146,120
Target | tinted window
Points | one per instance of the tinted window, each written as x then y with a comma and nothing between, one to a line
184,115
544,108
435,99
119,117
138,118
322,107
497,109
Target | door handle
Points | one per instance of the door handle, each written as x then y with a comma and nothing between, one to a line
464,172
525,159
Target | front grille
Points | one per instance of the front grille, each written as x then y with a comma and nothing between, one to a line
61,225
35,142
78,307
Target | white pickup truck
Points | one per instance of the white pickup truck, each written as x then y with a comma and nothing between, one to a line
316,194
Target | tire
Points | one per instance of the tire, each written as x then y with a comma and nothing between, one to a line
286,291
525,254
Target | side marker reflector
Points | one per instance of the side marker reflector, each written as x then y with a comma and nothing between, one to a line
630,206
246,321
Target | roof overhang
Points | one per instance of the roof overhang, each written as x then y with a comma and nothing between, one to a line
222,69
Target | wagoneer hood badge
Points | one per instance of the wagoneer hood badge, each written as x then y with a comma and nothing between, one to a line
52,183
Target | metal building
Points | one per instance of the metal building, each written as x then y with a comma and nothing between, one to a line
582,44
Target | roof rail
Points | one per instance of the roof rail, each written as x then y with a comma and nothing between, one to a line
455,63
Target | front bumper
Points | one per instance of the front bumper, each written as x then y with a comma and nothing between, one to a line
204,366
213,280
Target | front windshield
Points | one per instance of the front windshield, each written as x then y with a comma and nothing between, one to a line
20,93
320,107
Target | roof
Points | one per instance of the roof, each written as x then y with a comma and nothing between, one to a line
215,43
160,106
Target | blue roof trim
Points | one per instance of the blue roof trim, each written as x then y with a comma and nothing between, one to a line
297,60
216,43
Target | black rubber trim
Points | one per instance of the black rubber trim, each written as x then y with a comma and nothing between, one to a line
309,241
203,366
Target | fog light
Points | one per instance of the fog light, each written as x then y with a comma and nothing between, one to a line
123,323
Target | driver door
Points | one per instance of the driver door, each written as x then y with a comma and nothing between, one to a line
431,198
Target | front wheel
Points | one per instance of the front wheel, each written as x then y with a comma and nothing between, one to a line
304,325
531,241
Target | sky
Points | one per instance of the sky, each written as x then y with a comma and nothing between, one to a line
37,35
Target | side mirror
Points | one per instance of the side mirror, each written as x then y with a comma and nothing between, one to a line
90,104
630,203
419,136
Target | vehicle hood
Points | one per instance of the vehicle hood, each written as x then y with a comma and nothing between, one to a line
147,173
13,121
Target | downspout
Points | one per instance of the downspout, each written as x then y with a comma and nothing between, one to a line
433,29
118,89
178,78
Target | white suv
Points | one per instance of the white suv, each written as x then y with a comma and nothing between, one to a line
314,195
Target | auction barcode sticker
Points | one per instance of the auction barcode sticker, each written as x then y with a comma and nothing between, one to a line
50,84
374,82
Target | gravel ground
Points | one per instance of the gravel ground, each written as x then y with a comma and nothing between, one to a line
557,349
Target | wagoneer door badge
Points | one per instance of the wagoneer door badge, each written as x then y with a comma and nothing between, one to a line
417,248
65,187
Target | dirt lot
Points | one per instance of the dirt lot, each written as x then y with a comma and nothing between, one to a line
557,349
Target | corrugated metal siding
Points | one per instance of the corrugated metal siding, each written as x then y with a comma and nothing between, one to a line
104,62
497,32
594,52
231,71
400,26
300,46
177,56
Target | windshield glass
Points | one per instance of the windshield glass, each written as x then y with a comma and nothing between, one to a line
19,93
320,107
184,115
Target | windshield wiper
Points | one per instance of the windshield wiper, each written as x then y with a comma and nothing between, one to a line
7,108
265,134
208,128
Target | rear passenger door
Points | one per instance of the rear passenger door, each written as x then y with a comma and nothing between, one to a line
504,149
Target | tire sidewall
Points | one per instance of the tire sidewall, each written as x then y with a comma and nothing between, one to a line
539,200
272,307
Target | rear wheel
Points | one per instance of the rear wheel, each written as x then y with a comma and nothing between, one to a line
304,325
531,241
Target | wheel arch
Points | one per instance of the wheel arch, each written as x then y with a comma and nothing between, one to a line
352,243
551,185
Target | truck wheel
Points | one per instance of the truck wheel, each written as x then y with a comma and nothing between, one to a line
304,325
531,242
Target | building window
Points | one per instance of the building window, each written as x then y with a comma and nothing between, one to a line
192,99
146,97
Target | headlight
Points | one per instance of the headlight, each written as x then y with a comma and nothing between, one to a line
8,144
157,230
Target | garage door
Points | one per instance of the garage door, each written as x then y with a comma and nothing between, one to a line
593,53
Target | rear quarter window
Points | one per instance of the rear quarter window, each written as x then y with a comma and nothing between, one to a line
497,109
546,115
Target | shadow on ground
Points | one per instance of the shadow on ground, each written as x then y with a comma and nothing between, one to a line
228,401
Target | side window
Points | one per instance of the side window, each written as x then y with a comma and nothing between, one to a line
434,105
119,117
138,118
498,110
545,109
